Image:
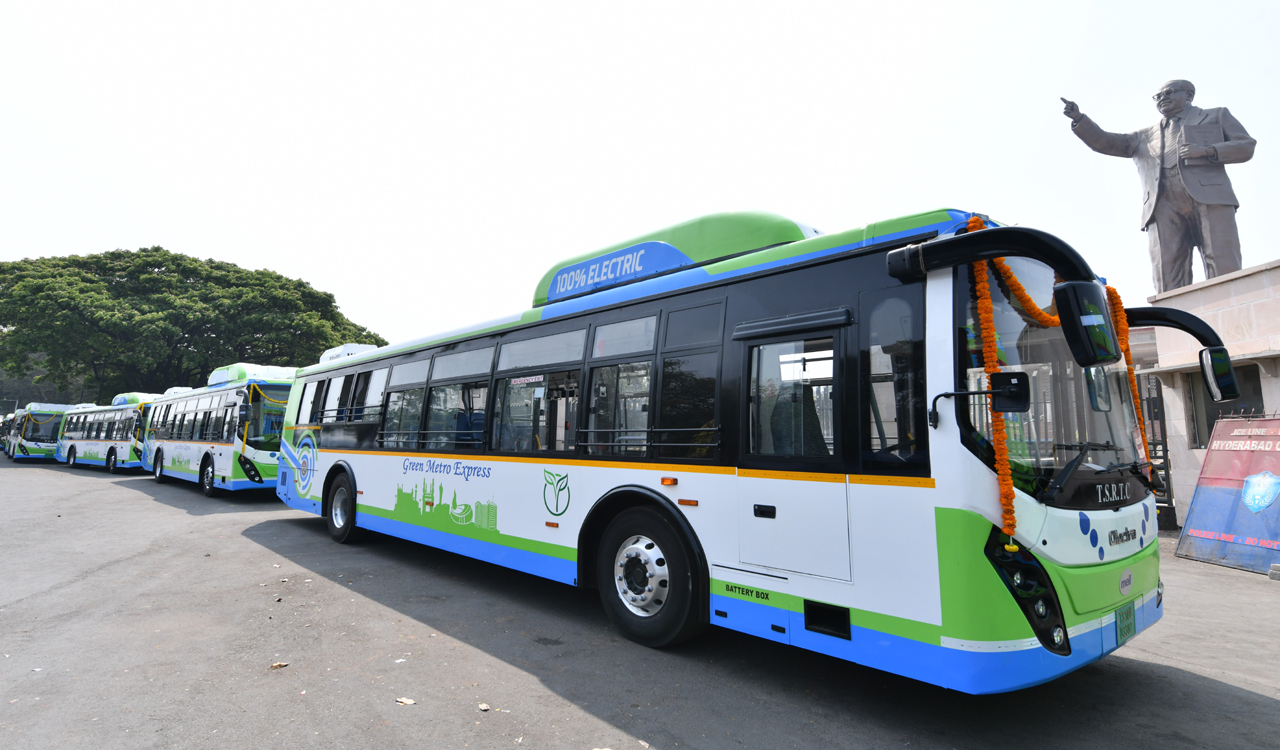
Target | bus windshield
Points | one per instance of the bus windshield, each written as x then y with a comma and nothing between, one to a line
1073,409
41,428
266,416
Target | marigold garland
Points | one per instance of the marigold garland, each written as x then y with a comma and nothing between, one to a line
1122,333
1024,299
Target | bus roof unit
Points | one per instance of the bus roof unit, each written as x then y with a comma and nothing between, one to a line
246,371
693,243
133,398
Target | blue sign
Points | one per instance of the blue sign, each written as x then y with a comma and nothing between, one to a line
628,264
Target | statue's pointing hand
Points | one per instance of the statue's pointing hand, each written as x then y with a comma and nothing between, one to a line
1071,110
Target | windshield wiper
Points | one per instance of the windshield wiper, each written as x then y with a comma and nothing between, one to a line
1152,483
1061,479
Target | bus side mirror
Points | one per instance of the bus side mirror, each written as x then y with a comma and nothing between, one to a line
1219,375
243,414
1086,322
1010,391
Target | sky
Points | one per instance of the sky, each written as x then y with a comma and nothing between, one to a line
427,162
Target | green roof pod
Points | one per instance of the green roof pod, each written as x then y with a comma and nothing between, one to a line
246,371
133,398
693,243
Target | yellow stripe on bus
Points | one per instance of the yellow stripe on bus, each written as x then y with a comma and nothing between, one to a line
795,476
893,481
674,468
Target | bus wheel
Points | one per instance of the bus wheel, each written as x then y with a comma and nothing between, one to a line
646,579
340,510
206,477
111,461
71,458
158,469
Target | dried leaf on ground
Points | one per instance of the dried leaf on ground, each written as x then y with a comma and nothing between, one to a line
405,701
399,661
279,664
484,706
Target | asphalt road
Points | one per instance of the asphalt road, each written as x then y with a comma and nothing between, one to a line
140,615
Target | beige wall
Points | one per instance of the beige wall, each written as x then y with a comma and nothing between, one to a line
1244,308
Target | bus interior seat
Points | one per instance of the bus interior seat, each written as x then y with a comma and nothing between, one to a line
792,421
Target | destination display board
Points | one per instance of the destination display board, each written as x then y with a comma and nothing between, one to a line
1234,519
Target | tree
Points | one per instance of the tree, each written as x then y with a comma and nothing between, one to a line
152,319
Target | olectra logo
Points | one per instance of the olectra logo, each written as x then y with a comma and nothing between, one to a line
1126,581
1120,537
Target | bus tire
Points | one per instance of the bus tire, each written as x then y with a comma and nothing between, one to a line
157,471
71,458
340,510
206,477
646,579
111,461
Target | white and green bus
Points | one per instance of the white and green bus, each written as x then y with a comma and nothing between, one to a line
729,422
33,432
107,436
225,436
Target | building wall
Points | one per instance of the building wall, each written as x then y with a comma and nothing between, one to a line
1244,308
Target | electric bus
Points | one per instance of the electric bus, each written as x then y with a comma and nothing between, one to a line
108,436
33,433
224,436
742,422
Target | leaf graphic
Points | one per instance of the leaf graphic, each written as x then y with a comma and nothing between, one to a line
549,477
562,483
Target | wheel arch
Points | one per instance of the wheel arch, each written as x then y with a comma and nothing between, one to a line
623,498
338,469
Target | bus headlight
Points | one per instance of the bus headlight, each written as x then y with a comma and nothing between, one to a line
1059,636
1032,590
1042,609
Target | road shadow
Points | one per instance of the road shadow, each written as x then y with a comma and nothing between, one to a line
187,497
725,689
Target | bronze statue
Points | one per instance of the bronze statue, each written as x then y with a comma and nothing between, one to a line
1187,197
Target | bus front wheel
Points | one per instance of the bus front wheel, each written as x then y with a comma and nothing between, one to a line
158,469
206,477
71,458
646,579
111,461
340,510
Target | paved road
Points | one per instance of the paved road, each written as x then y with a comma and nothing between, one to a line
140,615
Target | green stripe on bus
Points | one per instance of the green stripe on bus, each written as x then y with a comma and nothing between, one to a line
439,521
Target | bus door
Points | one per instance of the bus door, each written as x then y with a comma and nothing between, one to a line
793,512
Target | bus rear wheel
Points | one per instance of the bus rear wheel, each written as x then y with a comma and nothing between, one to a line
71,458
646,579
340,510
111,461
206,477
158,469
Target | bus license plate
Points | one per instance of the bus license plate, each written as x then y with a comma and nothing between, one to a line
1126,625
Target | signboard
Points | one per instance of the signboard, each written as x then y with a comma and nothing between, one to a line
1234,519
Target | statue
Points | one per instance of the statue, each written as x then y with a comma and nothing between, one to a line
1187,198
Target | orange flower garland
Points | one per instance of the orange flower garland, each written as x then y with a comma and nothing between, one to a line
1024,299
991,363
1122,333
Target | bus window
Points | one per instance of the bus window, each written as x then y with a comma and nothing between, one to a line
265,423
97,426
537,413
229,423
894,432
792,392
179,425
463,364
455,416
335,400
618,424
627,337
216,421
687,408
410,372
694,326
402,419
366,396
545,350
307,408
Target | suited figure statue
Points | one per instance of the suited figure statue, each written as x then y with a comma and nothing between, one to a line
1187,198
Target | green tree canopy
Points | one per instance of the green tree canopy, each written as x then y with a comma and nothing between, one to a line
152,319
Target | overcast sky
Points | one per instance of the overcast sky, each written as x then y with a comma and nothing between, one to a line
427,162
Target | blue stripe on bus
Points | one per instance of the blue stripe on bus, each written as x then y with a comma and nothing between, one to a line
695,276
969,671
544,566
